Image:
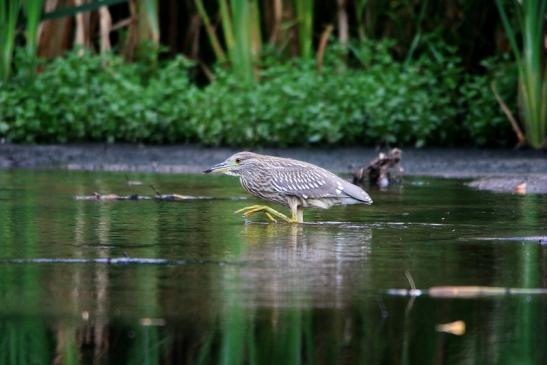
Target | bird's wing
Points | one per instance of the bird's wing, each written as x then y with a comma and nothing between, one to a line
302,181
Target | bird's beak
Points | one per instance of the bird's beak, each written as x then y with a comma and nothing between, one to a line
219,168
368,199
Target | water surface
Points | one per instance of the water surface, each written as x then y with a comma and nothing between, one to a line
214,289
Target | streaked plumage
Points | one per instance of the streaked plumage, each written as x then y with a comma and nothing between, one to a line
295,184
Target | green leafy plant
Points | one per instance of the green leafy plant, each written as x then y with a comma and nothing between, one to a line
377,100
77,98
483,118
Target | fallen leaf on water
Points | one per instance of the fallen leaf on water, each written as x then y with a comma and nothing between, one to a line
456,328
465,291
521,188
152,322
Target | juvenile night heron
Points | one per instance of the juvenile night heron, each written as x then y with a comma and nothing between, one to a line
295,184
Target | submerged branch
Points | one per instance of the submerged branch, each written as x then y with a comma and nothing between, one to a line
158,196
112,261
466,292
382,170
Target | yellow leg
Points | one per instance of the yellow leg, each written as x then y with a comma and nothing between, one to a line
270,213
270,217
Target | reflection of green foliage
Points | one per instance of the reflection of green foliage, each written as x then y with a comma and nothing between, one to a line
19,237
23,342
245,339
216,318
289,342
148,346
69,353
529,312
234,335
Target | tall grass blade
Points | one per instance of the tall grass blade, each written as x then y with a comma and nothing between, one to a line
215,43
304,13
256,33
531,67
343,23
242,55
227,27
33,11
9,11
360,6
509,30
241,28
148,33
418,35
148,11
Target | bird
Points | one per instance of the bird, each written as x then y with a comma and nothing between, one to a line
292,183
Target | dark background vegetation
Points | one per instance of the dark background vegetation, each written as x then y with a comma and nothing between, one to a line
402,72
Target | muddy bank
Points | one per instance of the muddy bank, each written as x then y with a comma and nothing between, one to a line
504,168
529,184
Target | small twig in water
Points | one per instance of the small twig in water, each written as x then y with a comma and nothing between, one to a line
132,182
410,280
413,289
155,190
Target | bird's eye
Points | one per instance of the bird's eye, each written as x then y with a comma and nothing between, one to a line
238,160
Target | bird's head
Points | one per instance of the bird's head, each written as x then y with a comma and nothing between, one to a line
235,165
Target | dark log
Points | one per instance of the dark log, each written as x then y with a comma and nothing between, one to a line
382,171
162,197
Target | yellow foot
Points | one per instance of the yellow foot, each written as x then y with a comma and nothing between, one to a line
270,213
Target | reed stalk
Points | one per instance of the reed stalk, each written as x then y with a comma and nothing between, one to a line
240,20
213,38
9,11
530,64
33,11
360,6
304,14
149,28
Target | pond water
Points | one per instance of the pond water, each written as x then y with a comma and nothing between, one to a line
223,291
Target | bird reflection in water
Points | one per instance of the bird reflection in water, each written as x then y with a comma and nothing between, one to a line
316,264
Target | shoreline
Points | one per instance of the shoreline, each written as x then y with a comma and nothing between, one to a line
495,169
